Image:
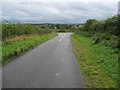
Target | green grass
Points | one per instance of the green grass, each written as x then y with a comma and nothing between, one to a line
19,47
99,64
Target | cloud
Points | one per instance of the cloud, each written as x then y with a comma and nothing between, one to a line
57,12
59,0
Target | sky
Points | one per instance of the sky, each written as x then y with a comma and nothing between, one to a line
57,11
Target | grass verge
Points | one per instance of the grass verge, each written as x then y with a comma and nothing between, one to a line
98,64
13,49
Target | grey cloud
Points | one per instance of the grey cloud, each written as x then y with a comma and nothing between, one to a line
57,12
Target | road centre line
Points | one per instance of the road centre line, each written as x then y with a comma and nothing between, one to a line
62,37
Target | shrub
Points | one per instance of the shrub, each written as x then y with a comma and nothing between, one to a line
11,30
105,32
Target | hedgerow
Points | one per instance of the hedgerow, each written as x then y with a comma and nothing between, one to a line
17,29
105,32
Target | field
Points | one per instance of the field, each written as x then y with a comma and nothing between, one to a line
99,64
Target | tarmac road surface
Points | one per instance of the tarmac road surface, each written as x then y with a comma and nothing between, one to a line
49,65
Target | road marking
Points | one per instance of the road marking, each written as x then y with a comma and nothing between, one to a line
57,74
60,40
62,59
62,37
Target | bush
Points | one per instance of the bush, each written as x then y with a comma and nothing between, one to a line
104,32
11,30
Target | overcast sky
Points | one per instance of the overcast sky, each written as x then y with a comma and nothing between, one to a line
58,12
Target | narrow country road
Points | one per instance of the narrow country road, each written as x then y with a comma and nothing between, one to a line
49,65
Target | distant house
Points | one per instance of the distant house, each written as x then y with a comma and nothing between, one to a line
55,27
79,25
